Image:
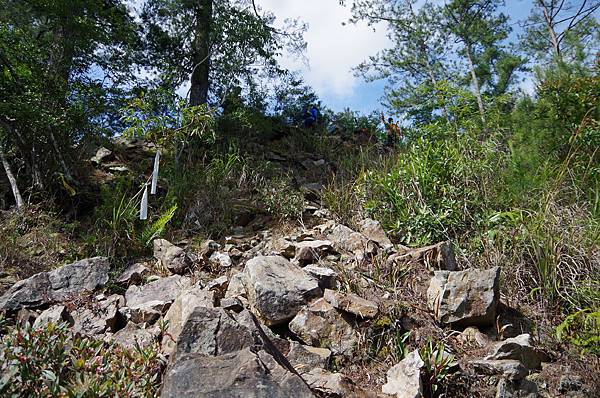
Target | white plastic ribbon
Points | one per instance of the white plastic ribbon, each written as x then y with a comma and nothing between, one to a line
144,205
155,173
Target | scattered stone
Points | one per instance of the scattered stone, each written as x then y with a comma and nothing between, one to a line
133,336
516,389
101,155
208,248
465,298
242,374
133,275
519,348
438,257
570,383
374,231
236,287
55,315
404,379
330,384
180,311
306,358
221,259
218,285
508,368
326,276
148,311
57,285
277,289
310,251
232,304
172,257
321,325
472,334
351,303
99,318
163,289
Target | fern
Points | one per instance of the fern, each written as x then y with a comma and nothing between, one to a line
156,229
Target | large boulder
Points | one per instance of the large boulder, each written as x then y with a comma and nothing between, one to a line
321,325
404,379
241,374
57,285
174,258
277,289
465,298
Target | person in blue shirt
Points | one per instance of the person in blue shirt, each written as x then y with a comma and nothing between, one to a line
312,117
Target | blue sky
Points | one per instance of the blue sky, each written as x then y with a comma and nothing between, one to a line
334,49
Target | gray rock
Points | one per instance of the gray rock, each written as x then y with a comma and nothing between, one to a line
321,325
223,260
345,239
326,276
57,285
236,287
404,379
148,311
232,304
55,315
101,155
306,358
218,285
163,289
351,303
277,289
174,258
518,348
180,311
465,298
99,317
133,336
330,384
508,368
242,374
308,252
516,389
133,275
374,231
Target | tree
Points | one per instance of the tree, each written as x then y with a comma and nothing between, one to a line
562,29
213,44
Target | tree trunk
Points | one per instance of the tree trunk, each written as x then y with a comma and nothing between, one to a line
476,84
61,159
12,180
201,53
550,25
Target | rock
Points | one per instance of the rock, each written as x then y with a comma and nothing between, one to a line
102,154
163,289
232,304
306,358
277,289
180,311
351,303
172,257
218,285
321,325
57,285
211,331
236,287
404,379
374,231
241,374
148,311
519,348
54,315
439,256
473,335
133,275
326,276
465,298
516,389
508,368
99,318
345,239
221,259
330,384
208,247
133,336
310,251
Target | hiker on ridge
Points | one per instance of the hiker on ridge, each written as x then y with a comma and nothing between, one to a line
393,131
312,116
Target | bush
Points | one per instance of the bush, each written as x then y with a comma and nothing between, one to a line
50,362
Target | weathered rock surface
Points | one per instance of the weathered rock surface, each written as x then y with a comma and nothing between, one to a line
174,258
236,287
277,289
306,358
465,298
133,275
345,239
148,311
519,348
321,325
373,230
508,368
55,314
132,336
326,277
163,289
99,318
308,252
404,379
516,389
222,260
351,303
57,285
241,374
330,384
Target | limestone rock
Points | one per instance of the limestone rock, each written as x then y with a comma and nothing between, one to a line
519,348
232,304
55,314
241,374
57,285
374,231
223,260
174,258
404,379
351,303
236,287
306,358
330,384
101,155
465,298
99,317
148,311
133,275
277,289
163,289
508,368
132,336
308,252
321,325
326,276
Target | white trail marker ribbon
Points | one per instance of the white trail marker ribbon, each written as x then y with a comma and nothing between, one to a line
155,173
144,204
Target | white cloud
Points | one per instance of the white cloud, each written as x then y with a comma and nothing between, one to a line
333,49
